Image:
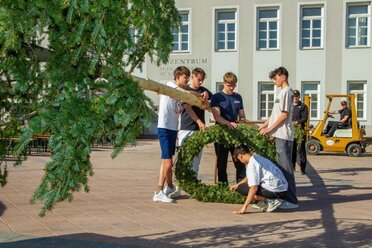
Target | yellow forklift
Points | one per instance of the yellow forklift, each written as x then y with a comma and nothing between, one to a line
349,139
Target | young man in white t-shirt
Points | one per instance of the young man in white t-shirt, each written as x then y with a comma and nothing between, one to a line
280,126
265,180
169,112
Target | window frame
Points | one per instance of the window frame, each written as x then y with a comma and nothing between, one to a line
219,86
179,34
357,16
316,92
225,22
312,19
356,92
267,21
267,93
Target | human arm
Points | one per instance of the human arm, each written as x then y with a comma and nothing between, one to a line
234,187
194,117
242,116
219,119
251,193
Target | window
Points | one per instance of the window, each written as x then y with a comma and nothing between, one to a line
311,27
360,90
268,26
226,30
312,89
358,18
134,37
266,99
219,86
181,36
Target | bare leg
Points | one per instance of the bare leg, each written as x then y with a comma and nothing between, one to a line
161,174
166,172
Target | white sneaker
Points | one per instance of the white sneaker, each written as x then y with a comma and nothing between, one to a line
172,192
288,205
161,197
259,205
273,204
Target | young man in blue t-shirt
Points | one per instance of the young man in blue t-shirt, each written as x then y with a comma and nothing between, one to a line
227,109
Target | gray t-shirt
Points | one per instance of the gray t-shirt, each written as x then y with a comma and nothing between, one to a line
261,171
283,102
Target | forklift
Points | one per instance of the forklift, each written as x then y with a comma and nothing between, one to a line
348,139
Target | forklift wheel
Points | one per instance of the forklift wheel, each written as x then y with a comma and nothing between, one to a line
313,147
354,150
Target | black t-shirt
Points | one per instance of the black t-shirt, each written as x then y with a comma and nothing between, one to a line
343,112
187,123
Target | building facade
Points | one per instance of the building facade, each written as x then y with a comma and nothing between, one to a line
325,45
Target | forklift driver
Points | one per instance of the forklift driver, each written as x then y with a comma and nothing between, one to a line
345,114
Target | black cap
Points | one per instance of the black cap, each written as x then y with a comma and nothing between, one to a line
296,93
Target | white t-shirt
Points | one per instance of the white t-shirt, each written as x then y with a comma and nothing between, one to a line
283,102
261,171
169,110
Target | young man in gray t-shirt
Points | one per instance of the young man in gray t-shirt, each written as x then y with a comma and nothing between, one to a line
280,126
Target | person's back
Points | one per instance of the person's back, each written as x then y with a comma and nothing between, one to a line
261,171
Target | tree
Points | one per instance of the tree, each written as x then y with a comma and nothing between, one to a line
62,69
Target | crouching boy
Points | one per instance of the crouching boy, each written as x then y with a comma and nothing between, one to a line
266,182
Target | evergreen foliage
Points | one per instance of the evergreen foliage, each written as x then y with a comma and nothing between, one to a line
62,63
244,134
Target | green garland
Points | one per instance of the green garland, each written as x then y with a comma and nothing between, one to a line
186,178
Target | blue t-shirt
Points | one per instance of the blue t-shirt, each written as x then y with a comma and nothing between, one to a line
229,105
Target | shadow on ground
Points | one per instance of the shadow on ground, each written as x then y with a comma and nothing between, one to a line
326,231
2,208
353,234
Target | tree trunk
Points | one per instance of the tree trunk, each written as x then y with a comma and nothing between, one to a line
148,84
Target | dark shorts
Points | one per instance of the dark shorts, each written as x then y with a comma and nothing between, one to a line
167,139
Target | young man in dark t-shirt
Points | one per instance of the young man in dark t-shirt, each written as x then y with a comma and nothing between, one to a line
227,109
193,118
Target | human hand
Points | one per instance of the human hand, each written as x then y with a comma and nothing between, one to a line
202,126
232,125
264,131
234,187
204,95
240,211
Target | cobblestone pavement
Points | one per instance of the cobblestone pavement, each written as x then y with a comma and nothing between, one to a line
335,207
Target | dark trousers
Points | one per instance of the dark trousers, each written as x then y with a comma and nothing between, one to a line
222,154
284,150
301,150
332,126
243,189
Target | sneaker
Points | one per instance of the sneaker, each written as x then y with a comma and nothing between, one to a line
259,205
303,172
273,204
172,192
161,197
288,205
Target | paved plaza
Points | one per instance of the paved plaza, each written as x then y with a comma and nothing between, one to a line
335,207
